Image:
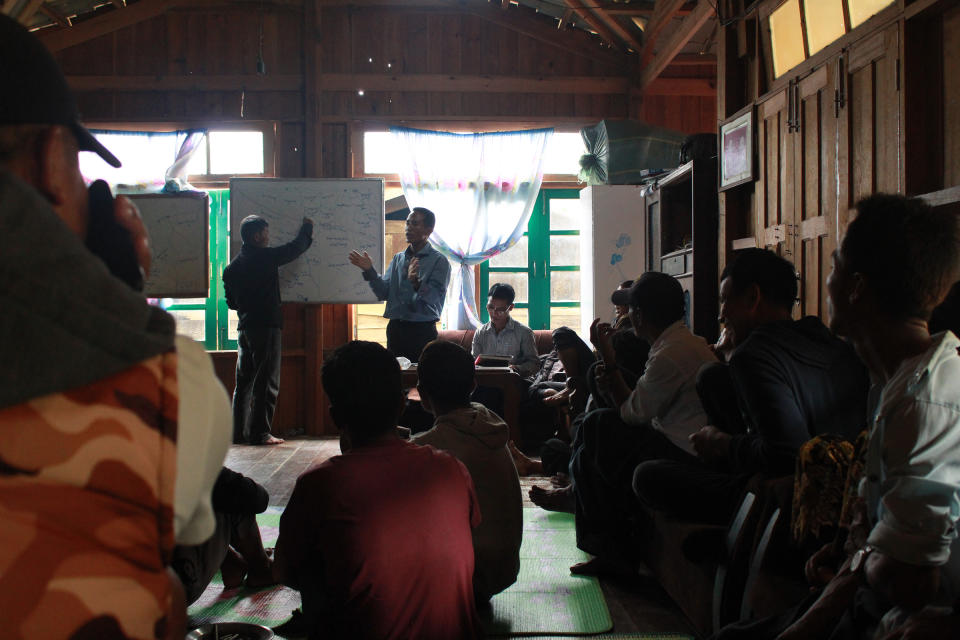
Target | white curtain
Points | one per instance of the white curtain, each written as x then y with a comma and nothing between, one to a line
482,188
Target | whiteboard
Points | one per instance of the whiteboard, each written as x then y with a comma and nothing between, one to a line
347,214
179,225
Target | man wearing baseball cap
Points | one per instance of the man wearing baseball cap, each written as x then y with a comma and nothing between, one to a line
112,428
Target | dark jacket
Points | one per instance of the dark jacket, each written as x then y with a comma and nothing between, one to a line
252,284
794,380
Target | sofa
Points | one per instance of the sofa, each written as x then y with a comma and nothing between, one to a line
464,338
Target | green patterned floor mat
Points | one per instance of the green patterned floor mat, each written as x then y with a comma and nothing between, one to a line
270,606
547,599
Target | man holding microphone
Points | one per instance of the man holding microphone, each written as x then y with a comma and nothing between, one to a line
414,286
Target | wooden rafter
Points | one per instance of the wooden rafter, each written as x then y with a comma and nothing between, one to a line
58,39
27,11
595,23
617,28
628,10
119,4
7,6
55,15
675,43
663,13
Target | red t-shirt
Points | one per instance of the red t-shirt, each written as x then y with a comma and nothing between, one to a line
384,532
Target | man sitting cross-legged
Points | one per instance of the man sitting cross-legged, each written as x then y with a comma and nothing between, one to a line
653,420
378,540
793,380
478,438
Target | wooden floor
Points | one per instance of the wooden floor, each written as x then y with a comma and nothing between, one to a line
637,605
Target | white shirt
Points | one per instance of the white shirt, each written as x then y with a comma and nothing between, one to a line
205,428
666,393
912,471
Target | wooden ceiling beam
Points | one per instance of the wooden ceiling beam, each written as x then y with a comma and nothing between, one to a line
693,60
251,82
595,23
7,6
539,28
441,83
675,43
55,15
618,28
430,83
25,12
59,39
119,4
627,10
663,13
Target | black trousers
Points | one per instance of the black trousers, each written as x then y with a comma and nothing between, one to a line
196,565
407,339
606,451
258,383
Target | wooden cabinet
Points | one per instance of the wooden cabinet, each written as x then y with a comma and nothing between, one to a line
829,138
682,238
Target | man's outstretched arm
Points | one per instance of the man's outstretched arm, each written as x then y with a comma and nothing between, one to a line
291,251
379,285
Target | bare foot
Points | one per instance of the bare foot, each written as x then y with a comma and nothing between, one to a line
553,499
560,480
269,439
232,569
525,466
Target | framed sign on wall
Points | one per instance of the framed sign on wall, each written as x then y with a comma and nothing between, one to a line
736,149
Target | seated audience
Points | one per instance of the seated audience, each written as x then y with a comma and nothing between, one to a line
504,336
630,352
793,380
561,371
235,548
378,540
112,428
652,421
478,438
899,574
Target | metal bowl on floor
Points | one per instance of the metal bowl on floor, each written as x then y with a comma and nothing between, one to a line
230,631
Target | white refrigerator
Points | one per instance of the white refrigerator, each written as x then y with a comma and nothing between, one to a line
613,246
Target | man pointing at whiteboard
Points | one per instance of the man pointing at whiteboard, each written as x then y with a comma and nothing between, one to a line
251,283
414,286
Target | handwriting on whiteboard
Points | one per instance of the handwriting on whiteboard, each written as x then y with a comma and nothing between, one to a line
347,214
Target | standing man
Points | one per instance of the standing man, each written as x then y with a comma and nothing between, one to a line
252,286
414,286
504,336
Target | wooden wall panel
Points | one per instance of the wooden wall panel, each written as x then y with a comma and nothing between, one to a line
951,90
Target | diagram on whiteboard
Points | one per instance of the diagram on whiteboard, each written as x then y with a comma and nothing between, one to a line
347,214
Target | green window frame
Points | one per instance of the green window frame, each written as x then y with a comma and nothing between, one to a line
217,315
542,310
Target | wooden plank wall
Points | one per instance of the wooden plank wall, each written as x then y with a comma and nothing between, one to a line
196,65
835,130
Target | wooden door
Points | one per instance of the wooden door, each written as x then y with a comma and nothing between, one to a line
814,233
871,101
775,197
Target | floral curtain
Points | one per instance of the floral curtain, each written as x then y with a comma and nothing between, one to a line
482,188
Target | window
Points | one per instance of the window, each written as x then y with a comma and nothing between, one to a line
146,157
555,298
793,40
544,266
562,156
824,22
